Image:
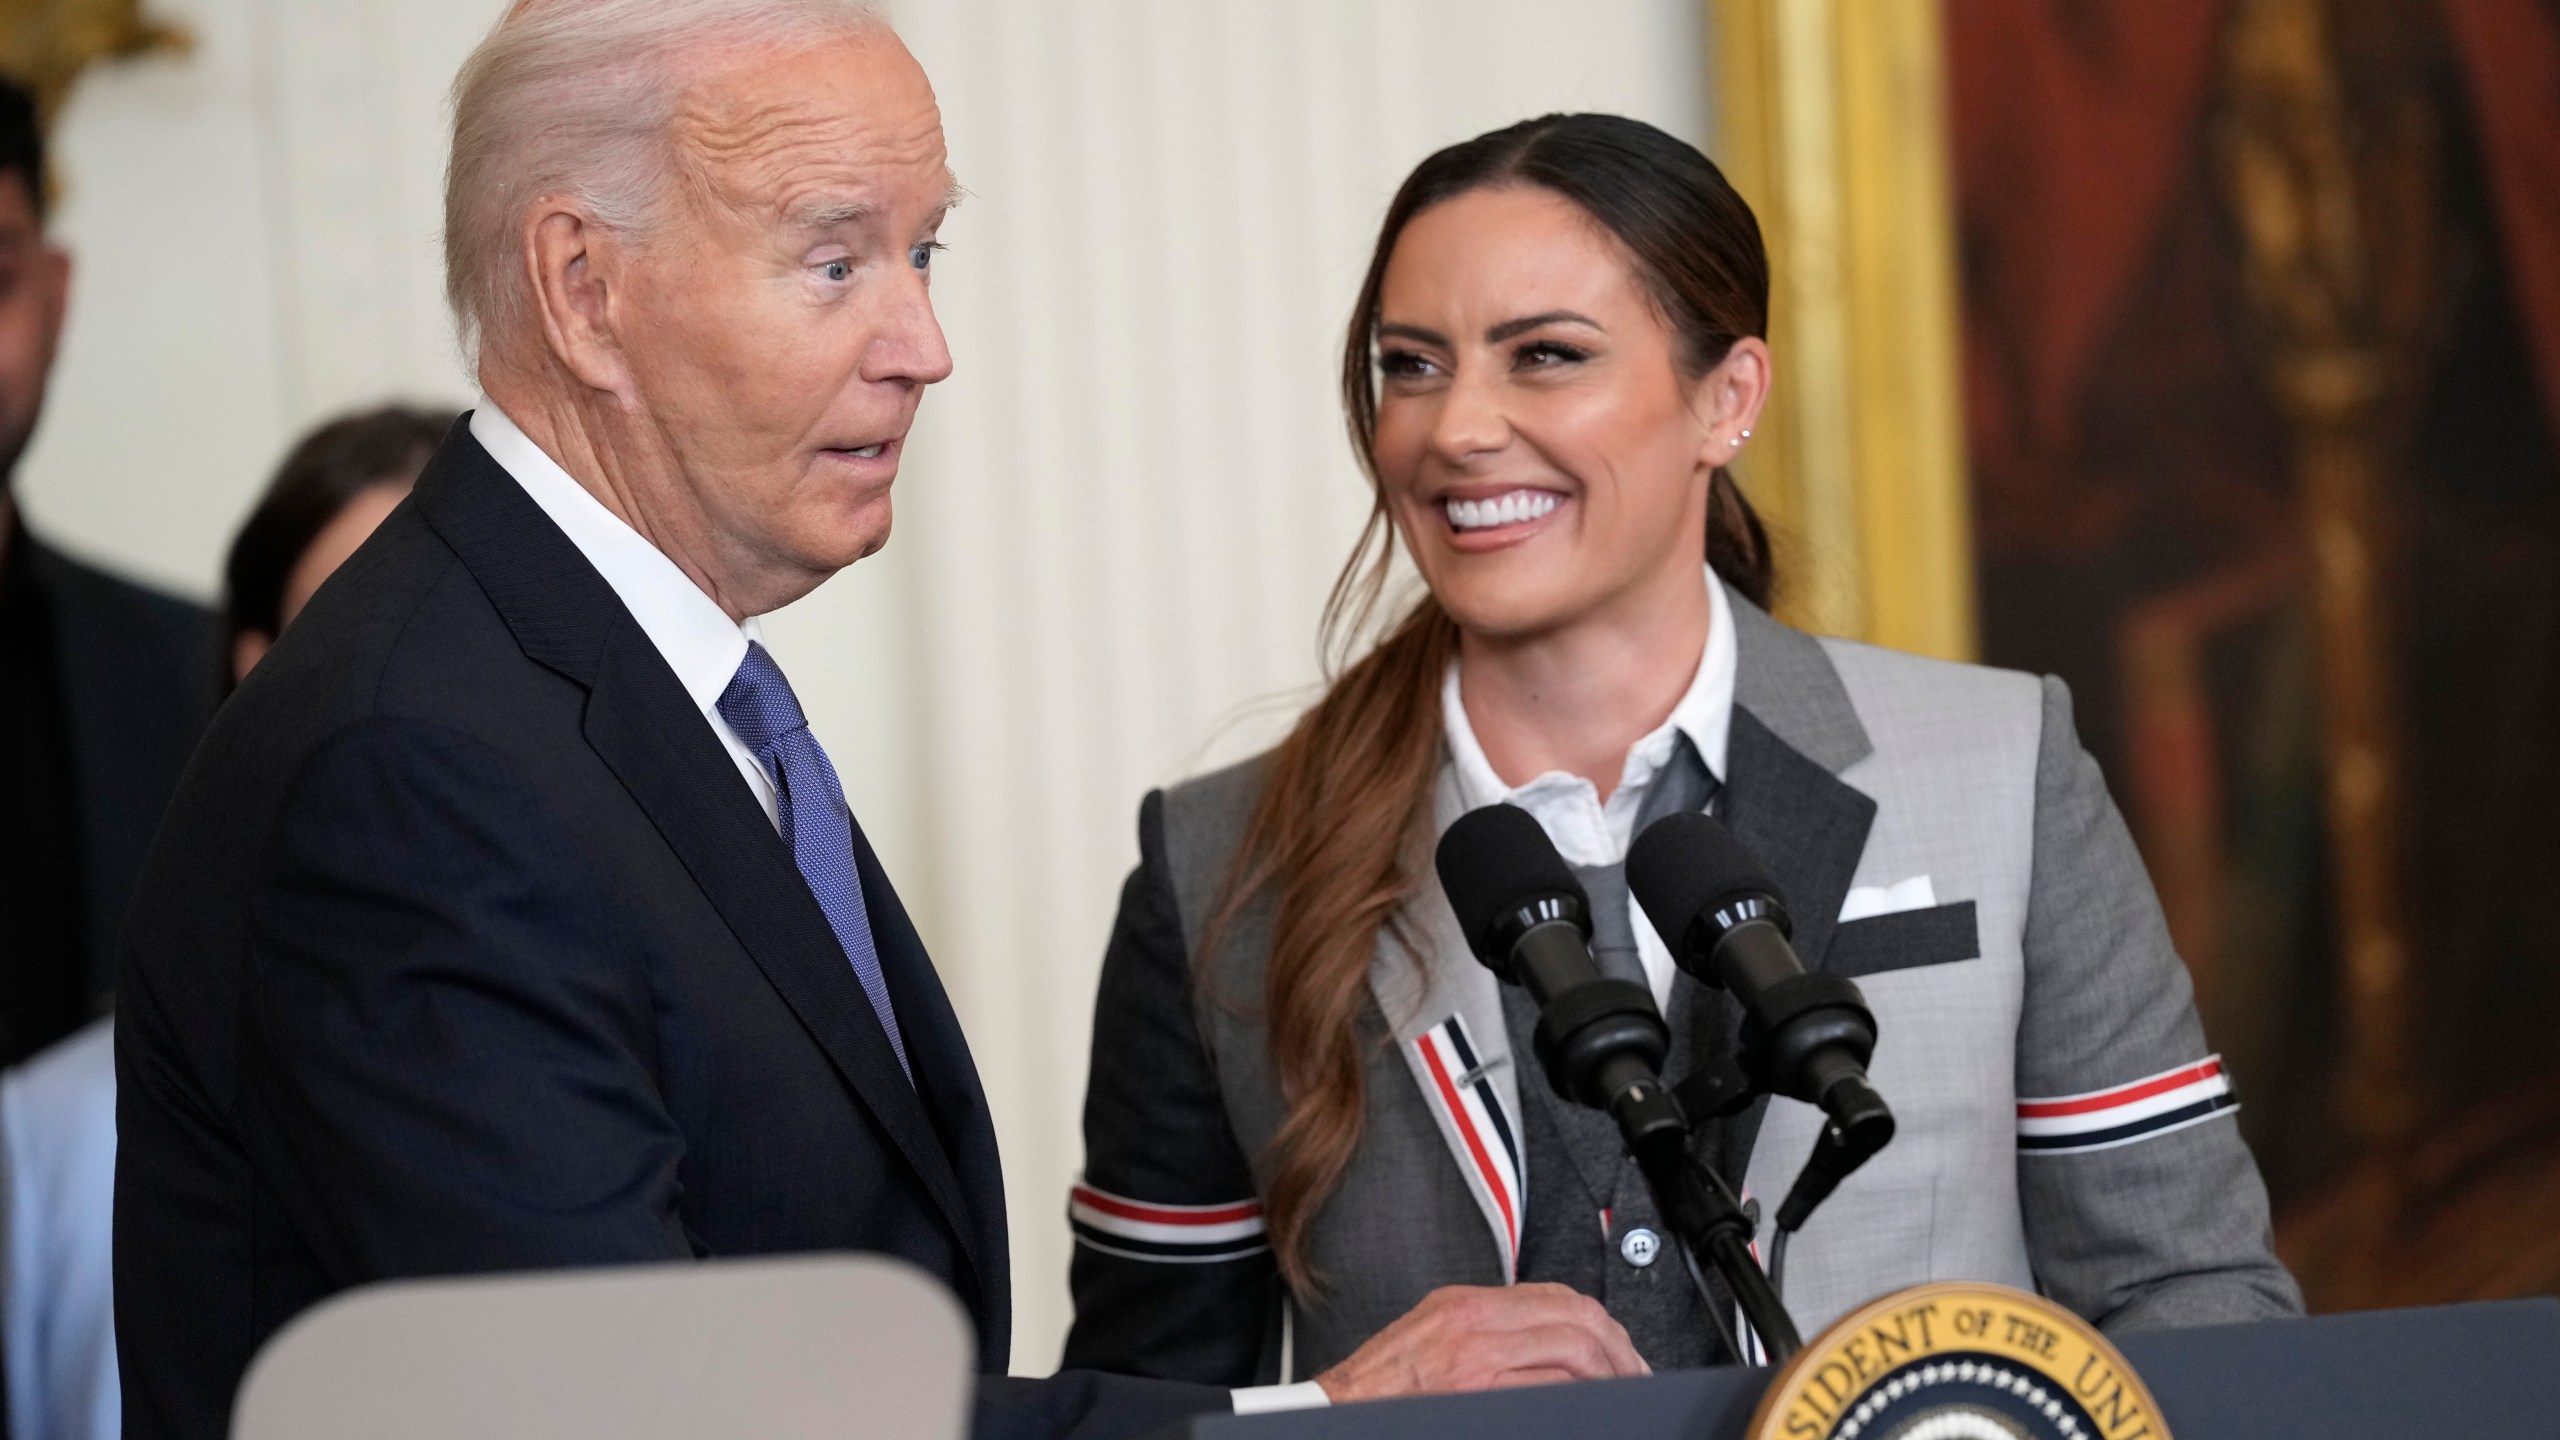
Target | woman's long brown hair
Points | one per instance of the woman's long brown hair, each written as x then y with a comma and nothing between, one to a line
1340,834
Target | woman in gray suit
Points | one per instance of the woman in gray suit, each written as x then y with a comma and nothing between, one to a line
1310,1106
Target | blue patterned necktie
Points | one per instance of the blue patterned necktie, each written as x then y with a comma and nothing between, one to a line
810,809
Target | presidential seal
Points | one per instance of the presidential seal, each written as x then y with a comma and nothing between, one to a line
1958,1361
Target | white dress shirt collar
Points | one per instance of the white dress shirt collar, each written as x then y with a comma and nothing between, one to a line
1587,831
698,640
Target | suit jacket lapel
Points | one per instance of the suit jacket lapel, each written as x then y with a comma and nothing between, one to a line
647,731
1793,731
944,1069
645,727
1800,821
1424,978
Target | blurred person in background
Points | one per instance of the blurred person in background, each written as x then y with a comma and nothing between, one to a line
104,685
57,1111
1309,1103
335,487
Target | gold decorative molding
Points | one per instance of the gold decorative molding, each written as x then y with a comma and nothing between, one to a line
1832,120
48,44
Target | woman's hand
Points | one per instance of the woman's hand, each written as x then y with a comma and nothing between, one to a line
1469,1337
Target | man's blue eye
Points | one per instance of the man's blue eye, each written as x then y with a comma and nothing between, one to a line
921,256
837,270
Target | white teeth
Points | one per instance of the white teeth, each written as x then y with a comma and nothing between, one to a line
1512,508
871,452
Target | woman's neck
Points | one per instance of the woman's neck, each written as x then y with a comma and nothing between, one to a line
1578,698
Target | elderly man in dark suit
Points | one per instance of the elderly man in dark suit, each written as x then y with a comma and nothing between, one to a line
511,916
104,685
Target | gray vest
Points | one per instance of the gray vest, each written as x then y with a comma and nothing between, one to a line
1590,1220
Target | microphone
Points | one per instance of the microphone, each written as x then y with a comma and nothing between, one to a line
1602,1043
1807,1036
1527,918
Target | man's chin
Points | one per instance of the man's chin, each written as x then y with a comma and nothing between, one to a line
845,544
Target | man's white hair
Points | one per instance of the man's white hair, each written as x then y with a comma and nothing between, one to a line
575,98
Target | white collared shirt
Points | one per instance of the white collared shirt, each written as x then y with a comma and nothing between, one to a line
693,634
1568,807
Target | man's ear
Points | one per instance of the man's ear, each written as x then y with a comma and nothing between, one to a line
575,269
1730,397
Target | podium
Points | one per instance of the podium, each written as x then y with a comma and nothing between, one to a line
2458,1370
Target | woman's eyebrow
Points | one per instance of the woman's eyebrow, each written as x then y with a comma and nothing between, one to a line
1414,333
1526,323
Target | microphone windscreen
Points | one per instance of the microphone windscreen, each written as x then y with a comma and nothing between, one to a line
1685,864
1493,861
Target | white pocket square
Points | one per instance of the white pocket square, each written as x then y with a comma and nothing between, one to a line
1868,901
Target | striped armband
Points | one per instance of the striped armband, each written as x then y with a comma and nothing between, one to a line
2104,1119
1172,1234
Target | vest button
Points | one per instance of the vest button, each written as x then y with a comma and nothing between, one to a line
1639,1246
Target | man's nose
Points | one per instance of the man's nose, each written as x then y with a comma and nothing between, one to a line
910,345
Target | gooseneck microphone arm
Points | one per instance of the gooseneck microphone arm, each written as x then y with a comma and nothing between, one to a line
1807,1036
1602,1042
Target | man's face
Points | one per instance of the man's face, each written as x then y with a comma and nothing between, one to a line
35,281
778,327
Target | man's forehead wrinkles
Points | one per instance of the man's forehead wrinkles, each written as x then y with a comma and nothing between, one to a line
733,129
796,175
793,133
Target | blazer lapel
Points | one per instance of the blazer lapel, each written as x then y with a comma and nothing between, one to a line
645,727
1801,822
1793,731
1446,1012
647,731
945,1071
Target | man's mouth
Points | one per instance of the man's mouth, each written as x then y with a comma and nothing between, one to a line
1512,507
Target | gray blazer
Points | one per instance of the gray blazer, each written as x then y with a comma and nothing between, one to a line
2062,1125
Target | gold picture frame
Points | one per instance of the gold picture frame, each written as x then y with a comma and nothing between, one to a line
1832,124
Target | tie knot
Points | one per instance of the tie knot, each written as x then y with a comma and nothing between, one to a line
759,704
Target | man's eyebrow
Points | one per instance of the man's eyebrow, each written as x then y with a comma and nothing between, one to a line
830,214
1414,333
1526,323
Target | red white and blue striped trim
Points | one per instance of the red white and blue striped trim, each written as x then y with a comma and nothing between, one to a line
2104,1119
1172,1234
1489,1150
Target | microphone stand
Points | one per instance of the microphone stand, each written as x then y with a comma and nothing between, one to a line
1856,1124
1602,1043
1698,1206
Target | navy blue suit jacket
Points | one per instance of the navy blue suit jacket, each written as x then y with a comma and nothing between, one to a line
465,948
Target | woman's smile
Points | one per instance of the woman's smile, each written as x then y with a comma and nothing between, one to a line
1485,520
